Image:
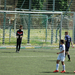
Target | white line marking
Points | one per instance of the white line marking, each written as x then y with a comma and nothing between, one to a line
25,56
28,56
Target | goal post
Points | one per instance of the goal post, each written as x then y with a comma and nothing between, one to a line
40,20
30,12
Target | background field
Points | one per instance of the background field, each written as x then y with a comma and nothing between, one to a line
37,37
33,62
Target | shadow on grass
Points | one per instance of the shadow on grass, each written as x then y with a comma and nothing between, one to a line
69,73
8,52
51,60
60,72
46,72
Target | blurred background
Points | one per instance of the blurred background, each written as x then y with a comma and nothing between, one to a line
39,29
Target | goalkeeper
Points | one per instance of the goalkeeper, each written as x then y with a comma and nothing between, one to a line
19,35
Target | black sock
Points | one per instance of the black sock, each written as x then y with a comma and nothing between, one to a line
69,57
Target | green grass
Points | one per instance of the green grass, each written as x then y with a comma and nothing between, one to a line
37,36
33,62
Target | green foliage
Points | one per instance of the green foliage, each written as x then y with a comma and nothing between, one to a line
60,5
38,4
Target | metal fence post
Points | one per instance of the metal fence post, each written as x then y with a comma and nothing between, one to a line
29,22
15,23
9,34
4,23
22,4
60,31
74,28
52,22
46,28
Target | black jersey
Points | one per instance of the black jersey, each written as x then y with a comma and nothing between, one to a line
68,40
19,33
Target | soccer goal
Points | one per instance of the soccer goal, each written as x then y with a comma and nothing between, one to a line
39,27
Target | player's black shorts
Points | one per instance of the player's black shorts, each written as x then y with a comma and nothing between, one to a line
67,49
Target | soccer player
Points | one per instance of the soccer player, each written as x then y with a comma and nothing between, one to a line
61,57
67,45
19,35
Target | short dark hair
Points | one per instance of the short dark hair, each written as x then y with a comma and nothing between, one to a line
66,32
62,41
21,26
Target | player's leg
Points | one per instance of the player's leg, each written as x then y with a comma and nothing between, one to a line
68,56
68,53
17,45
20,44
63,65
57,64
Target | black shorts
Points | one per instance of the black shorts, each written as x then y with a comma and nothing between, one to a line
67,49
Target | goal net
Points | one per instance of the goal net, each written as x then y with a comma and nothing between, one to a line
40,28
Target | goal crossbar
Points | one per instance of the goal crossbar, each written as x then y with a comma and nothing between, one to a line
30,12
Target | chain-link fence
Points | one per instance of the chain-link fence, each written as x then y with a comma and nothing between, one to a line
43,29
39,29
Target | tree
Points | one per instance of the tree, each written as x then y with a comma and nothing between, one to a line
38,4
60,5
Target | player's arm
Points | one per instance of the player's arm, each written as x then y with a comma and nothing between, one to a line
21,35
60,52
65,38
72,44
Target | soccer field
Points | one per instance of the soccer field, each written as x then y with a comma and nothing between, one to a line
33,62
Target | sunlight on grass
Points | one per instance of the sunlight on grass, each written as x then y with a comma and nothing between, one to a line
37,36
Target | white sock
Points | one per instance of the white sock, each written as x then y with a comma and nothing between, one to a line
57,66
63,67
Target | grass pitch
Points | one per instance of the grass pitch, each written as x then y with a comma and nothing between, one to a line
33,62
